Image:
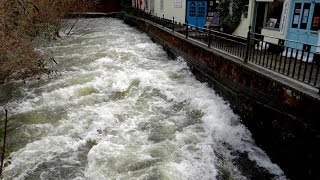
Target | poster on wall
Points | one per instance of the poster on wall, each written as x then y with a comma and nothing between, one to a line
177,3
216,19
316,21
305,16
296,19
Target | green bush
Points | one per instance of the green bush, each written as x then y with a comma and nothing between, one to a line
230,13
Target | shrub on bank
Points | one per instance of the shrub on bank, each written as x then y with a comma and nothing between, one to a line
21,21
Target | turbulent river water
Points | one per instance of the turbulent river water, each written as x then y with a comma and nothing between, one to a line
119,108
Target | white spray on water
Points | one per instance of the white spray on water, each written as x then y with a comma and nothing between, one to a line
121,109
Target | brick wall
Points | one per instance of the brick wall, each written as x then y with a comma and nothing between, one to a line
283,120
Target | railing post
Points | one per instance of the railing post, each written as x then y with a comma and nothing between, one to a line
248,45
173,24
209,42
187,29
162,20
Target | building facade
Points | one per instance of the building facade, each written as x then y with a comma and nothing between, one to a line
271,18
304,24
169,9
296,21
140,4
196,12
277,20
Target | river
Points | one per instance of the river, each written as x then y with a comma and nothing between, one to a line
119,108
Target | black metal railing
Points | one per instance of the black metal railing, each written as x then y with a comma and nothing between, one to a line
296,60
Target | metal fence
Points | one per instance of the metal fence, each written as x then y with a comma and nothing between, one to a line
296,60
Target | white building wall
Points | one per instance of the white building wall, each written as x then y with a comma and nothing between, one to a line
169,10
271,35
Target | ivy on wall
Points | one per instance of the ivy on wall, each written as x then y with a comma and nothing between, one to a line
230,13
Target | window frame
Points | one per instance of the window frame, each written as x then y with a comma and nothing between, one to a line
201,9
267,20
313,18
192,9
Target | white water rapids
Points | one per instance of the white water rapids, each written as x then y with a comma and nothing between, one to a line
121,109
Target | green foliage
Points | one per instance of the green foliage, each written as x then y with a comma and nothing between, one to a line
230,13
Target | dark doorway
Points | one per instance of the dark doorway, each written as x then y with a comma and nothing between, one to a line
260,13
108,6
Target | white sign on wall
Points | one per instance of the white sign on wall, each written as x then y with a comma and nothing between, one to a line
177,3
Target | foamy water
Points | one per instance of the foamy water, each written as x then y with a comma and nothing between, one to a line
120,109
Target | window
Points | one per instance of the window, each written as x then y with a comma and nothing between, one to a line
177,3
305,16
296,15
315,25
192,9
161,5
201,9
274,11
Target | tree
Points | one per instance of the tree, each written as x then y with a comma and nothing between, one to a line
21,21
230,13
